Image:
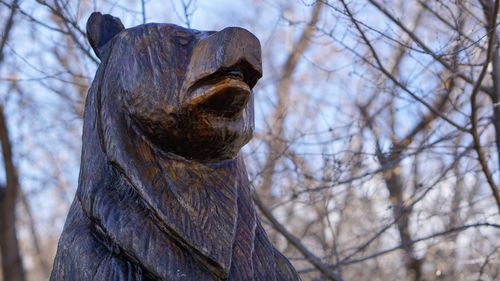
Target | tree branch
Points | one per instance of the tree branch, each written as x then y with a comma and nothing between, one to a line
313,259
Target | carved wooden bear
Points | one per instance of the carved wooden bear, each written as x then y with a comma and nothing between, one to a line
163,193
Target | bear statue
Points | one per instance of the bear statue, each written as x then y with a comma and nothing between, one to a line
163,193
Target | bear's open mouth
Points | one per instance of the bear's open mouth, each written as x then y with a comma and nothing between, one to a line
225,97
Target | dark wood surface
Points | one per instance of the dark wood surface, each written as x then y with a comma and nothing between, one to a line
163,193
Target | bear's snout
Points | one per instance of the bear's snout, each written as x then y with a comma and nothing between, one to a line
229,50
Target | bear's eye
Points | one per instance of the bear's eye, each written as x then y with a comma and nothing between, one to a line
183,38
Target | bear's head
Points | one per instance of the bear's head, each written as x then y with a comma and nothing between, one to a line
188,92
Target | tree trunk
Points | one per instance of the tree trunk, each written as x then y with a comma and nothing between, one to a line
401,214
11,257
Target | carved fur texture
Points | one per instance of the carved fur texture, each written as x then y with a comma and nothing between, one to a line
163,193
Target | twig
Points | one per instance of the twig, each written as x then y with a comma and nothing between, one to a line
7,29
143,11
434,235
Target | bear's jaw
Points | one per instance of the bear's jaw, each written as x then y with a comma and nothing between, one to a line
215,119
225,98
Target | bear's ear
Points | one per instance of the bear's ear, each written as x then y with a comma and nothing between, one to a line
101,29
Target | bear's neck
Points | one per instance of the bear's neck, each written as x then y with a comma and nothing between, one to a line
195,204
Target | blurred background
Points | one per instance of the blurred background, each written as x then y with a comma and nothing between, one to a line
376,150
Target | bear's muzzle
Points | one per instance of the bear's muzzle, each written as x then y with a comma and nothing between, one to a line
230,51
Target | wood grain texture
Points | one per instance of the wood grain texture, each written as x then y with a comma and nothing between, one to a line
163,193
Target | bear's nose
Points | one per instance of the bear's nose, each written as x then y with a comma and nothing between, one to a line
223,52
